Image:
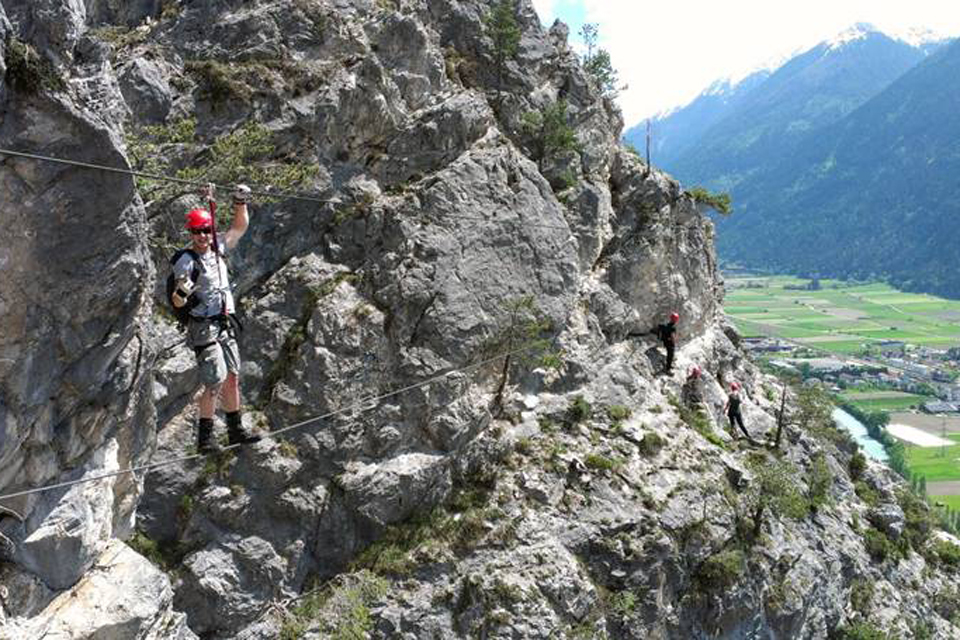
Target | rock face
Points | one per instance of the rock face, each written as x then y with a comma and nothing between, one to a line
126,597
468,442
74,383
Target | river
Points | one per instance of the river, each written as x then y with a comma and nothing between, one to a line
859,432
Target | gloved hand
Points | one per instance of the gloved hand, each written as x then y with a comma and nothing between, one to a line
182,292
207,191
241,194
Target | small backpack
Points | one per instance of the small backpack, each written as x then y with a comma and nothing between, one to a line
182,314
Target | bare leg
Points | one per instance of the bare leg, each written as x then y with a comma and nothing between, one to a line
208,401
231,393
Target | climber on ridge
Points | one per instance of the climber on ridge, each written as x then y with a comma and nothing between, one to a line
691,393
665,332
732,409
203,284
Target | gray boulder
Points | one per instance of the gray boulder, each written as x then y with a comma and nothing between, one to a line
131,598
146,90
53,27
888,518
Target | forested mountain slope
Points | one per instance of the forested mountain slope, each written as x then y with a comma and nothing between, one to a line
873,195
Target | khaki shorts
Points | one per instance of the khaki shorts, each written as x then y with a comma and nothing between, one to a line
217,352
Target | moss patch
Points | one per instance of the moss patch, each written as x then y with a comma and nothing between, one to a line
27,71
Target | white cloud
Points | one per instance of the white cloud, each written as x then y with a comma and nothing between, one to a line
667,52
546,9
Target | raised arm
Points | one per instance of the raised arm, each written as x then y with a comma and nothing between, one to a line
241,217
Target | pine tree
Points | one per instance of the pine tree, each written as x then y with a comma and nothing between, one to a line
597,62
505,33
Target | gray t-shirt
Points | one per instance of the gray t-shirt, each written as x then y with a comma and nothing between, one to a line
211,289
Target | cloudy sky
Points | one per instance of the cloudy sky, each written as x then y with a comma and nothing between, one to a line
667,51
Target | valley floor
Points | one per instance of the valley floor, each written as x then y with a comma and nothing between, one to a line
876,347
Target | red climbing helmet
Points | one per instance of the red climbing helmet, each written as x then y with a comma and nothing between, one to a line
674,317
734,386
695,371
198,219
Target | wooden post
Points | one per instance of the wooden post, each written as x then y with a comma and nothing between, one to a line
780,416
648,146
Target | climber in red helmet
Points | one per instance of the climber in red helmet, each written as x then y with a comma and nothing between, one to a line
666,332
732,409
691,393
202,282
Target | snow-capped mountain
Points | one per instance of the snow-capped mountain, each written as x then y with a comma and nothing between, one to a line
804,90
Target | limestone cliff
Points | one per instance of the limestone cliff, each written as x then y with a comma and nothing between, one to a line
457,209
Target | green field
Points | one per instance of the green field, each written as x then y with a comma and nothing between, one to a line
936,463
951,501
840,318
887,404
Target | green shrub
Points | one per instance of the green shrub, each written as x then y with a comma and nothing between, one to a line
524,446
651,444
341,609
814,413
218,81
721,570
550,132
918,517
28,71
857,465
867,493
504,31
599,462
624,603
314,13
773,490
878,545
720,202
819,482
579,410
185,507
618,412
597,62
922,630
242,155
288,449
147,547
861,595
697,420
860,631
947,553
166,555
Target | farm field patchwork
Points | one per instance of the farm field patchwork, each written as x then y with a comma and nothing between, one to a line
840,318
845,319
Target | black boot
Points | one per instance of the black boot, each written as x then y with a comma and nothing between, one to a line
235,432
205,443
